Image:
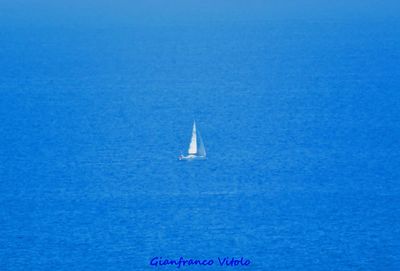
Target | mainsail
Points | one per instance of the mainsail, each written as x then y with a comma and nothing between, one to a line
193,142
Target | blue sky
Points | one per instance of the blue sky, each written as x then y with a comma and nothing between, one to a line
98,12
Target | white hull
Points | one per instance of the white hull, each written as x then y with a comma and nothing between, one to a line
191,157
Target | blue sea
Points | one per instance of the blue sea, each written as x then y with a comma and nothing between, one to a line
300,120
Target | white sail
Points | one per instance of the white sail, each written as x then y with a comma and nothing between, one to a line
193,142
201,151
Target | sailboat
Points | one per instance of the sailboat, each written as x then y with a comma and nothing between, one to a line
196,149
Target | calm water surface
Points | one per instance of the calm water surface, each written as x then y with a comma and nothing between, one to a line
300,121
